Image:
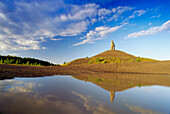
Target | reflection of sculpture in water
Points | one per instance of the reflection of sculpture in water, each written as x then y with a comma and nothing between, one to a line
112,95
112,45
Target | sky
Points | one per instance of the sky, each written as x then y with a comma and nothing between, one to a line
64,30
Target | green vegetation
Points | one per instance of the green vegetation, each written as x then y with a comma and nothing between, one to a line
64,62
104,61
90,62
97,60
23,61
98,80
109,57
117,60
138,60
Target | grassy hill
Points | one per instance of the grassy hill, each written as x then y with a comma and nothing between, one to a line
110,56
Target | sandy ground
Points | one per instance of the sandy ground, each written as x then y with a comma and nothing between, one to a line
10,71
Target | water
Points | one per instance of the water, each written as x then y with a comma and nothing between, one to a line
97,93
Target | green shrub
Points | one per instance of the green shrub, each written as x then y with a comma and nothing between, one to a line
104,61
122,61
138,60
98,60
131,84
139,85
90,62
117,60
98,80
130,61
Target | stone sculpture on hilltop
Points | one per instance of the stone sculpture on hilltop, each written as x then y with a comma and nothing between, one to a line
112,45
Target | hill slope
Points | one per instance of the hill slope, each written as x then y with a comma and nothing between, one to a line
114,53
110,56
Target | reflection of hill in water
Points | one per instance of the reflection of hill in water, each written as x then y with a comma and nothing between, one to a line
114,82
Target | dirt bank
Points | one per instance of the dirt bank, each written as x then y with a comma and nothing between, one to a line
7,71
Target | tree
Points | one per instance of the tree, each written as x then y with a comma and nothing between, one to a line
17,62
12,61
6,61
27,63
35,63
1,61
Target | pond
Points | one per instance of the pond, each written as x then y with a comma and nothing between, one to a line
97,93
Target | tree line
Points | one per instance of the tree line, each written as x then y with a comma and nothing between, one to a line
24,61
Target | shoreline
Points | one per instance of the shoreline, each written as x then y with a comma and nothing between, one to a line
157,68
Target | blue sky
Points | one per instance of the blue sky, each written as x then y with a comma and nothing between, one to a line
64,30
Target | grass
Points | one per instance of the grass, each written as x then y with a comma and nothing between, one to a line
102,60
98,80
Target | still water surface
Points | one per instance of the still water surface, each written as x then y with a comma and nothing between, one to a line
104,93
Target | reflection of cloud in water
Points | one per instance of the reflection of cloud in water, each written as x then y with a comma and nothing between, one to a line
17,94
93,105
17,86
28,103
22,87
141,110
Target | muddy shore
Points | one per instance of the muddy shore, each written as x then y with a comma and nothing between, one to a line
11,71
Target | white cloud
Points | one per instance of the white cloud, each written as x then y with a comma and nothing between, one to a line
13,54
152,30
93,12
150,24
98,34
74,29
30,24
137,13
156,16
81,12
103,12
118,11
56,39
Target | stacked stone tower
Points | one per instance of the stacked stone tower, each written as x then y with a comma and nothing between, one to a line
112,45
